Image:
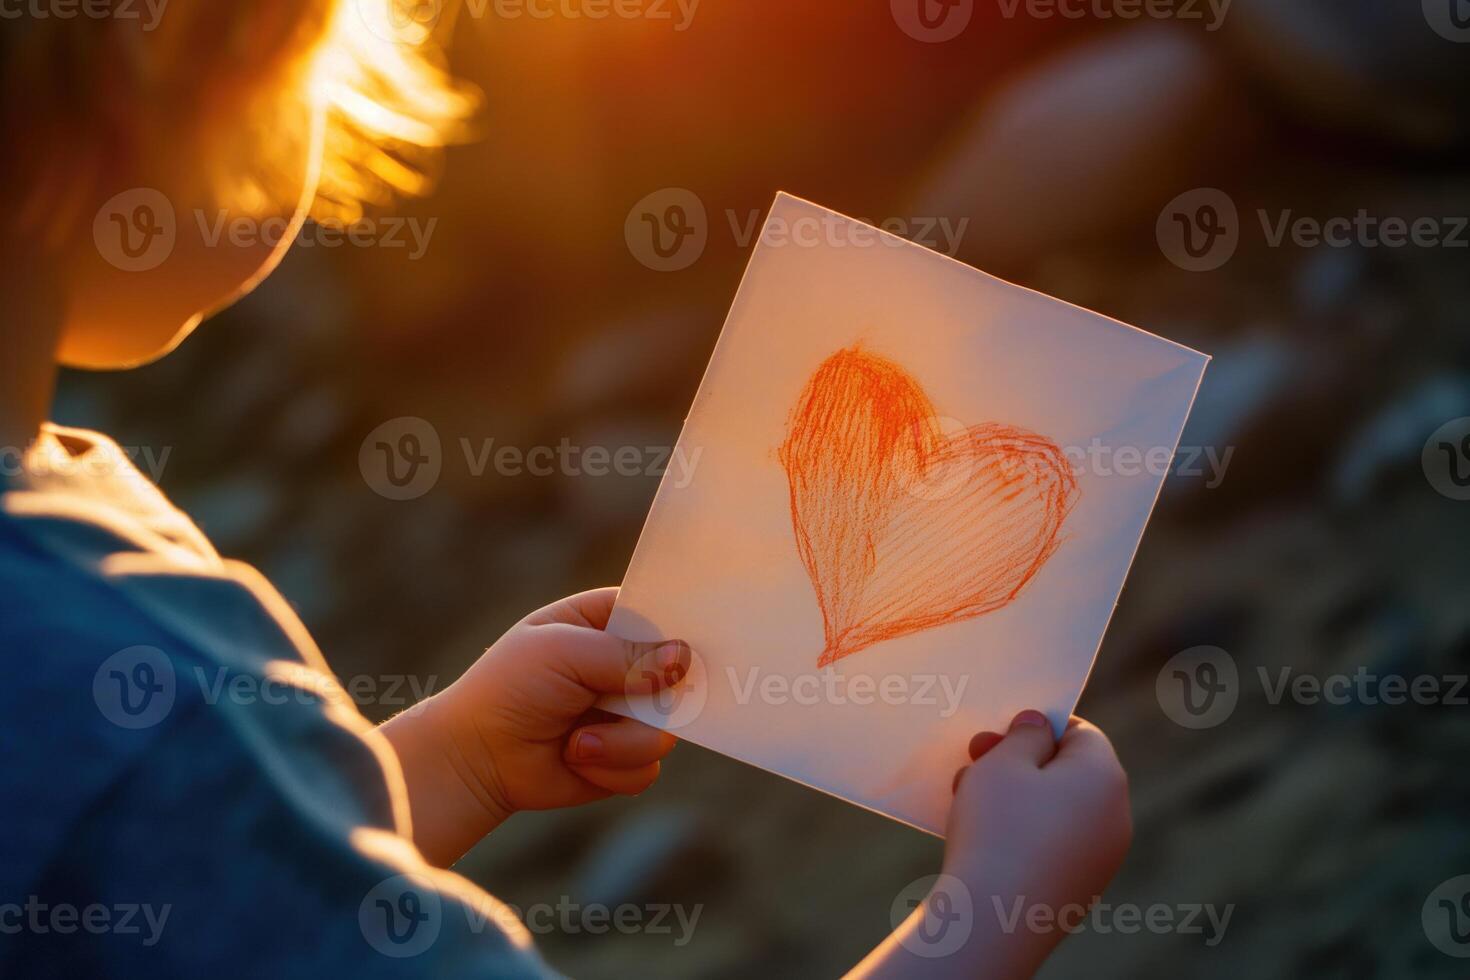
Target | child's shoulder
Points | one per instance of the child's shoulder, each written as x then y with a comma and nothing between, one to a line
124,649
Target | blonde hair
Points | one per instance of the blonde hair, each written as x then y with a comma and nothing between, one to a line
223,95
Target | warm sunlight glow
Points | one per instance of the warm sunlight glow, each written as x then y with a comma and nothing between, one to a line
387,100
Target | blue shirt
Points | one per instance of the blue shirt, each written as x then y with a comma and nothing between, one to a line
186,790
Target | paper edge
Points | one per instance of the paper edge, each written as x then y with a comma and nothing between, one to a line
1203,364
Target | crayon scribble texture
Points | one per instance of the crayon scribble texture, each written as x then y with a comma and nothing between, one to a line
902,528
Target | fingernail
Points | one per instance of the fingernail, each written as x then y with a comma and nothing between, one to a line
1033,718
671,660
983,743
957,777
587,746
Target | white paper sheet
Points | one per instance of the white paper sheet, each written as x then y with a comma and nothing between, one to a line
916,492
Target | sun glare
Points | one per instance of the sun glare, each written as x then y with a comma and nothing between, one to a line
378,76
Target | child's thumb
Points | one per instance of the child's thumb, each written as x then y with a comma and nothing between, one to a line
609,664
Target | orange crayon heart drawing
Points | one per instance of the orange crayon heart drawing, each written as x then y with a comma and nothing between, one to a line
901,527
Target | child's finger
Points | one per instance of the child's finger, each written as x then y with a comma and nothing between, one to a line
625,782
588,609
983,742
1085,745
1028,742
610,664
626,744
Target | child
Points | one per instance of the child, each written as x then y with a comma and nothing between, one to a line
151,830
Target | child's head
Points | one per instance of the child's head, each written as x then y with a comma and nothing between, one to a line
148,123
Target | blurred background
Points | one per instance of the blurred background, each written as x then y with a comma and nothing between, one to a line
532,316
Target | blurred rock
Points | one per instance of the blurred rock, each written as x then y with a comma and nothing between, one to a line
645,357
309,423
1245,378
1093,138
618,464
1394,437
1363,66
234,510
1327,280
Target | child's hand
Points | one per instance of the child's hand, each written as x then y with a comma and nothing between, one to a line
1039,820
1035,822
518,730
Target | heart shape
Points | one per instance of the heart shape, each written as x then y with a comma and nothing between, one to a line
902,528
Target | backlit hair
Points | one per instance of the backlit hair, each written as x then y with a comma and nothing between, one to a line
219,97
